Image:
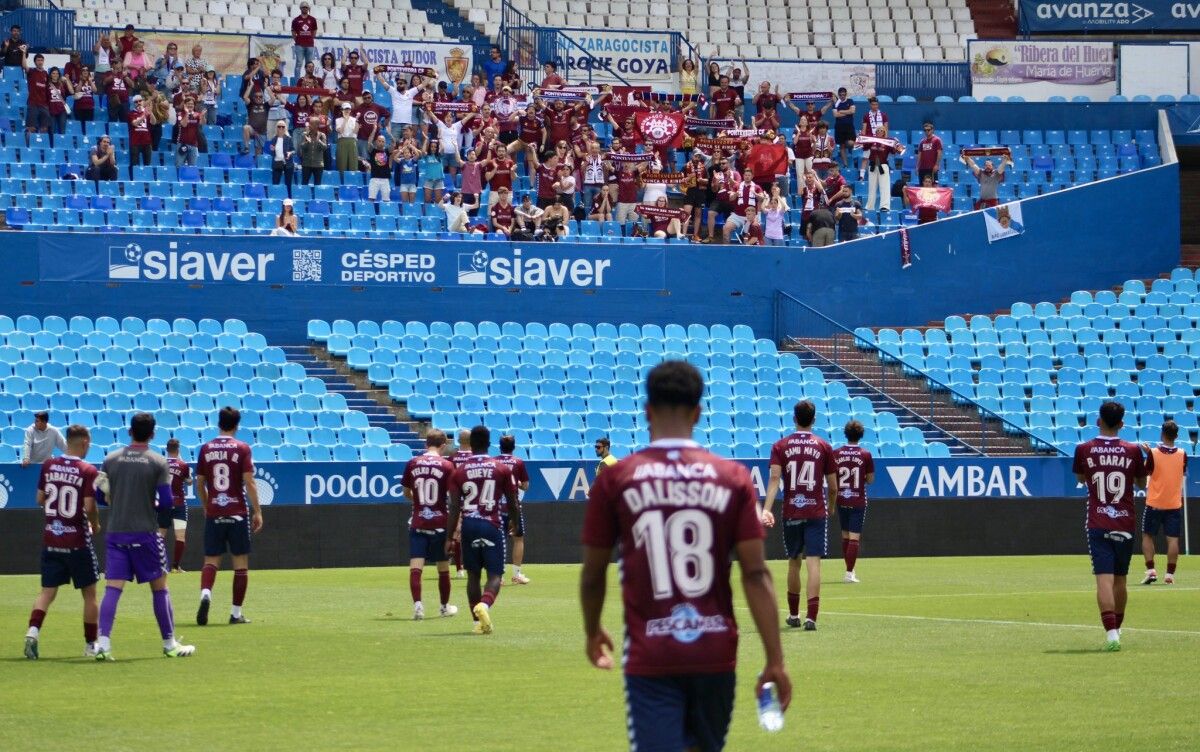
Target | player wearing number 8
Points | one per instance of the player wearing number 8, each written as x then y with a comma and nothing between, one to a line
1110,468
677,512
224,483
426,482
66,493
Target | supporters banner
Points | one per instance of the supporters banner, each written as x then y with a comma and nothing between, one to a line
1004,221
1022,62
291,483
661,128
1141,17
226,53
615,57
229,260
926,196
858,78
452,62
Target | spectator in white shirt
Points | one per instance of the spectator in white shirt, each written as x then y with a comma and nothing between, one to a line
457,218
449,133
529,216
41,439
403,99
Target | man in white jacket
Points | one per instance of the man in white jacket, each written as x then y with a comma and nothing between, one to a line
40,441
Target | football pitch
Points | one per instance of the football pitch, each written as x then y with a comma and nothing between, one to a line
925,654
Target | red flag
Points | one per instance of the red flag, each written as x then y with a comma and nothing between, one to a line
767,161
930,197
660,129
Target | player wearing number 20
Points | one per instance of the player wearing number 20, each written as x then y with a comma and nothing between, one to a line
1110,468
677,513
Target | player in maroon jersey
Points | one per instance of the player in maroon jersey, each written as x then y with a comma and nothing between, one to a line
677,513
1111,468
176,516
855,471
224,483
508,444
426,482
803,463
461,455
478,490
66,494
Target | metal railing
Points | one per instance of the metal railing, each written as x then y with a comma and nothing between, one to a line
923,80
529,45
43,26
799,324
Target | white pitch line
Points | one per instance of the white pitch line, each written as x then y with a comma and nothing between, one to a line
1002,622
995,593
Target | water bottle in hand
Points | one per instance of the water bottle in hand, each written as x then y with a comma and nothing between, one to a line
770,716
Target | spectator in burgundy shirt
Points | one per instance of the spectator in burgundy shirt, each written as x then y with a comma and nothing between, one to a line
37,102
57,91
551,80
355,73
126,41
726,102
118,87
304,39
502,214
140,121
929,155
187,121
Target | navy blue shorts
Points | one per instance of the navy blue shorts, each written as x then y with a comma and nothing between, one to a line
673,713
230,534
429,545
77,565
852,518
1110,551
808,537
482,547
1170,520
520,525
167,517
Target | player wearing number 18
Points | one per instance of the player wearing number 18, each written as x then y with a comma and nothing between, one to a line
677,512
476,490
224,482
1110,468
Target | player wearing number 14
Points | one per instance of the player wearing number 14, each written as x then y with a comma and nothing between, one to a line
1110,468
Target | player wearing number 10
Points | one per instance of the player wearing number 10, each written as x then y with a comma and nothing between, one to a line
677,511
426,483
1110,468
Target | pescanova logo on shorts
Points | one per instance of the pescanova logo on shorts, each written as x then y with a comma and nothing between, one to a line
685,624
523,269
132,262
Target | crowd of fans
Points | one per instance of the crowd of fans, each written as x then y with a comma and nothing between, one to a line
452,145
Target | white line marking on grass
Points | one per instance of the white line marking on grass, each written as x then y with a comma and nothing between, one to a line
1004,622
995,593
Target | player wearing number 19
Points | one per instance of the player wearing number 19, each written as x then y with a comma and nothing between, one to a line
426,483
1110,468
476,490
677,512
67,497
224,482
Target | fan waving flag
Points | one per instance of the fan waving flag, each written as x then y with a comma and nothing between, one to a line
767,161
661,128
930,197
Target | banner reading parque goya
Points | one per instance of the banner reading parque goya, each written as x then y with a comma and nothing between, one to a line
1124,16
613,56
183,259
286,483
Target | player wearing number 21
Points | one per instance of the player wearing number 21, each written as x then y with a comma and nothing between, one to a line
1110,468
677,512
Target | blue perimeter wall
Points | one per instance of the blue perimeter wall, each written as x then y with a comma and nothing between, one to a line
1091,237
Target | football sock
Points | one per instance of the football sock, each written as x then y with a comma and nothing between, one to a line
488,598
103,643
162,613
108,611
89,632
814,604
1120,618
1149,563
1171,567
235,612
179,546
845,541
793,603
208,576
458,556
517,571
36,617
444,586
1109,620
414,583
1113,635
241,578
851,554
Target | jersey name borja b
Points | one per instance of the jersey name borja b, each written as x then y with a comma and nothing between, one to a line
428,476
1110,466
676,511
66,481
805,459
483,483
223,462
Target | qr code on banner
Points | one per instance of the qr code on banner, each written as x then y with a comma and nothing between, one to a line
306,265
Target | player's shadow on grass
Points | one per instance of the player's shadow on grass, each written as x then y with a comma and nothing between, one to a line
70,659
1075,651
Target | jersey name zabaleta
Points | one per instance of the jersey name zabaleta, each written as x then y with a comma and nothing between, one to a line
66,482
854,464
805,460
223,462
483,482
1110,465
428,475
676,512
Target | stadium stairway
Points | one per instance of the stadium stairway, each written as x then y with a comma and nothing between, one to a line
891,390
454,25
994,19
322,366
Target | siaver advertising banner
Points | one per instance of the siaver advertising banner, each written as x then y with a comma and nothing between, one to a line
451,61
616,56
1133,17
1024,62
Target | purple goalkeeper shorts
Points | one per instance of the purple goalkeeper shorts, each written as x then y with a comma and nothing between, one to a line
135,556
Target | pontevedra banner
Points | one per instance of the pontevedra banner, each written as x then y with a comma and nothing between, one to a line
451,62
1024,62
1139,17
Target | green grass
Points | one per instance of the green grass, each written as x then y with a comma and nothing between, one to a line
925,654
